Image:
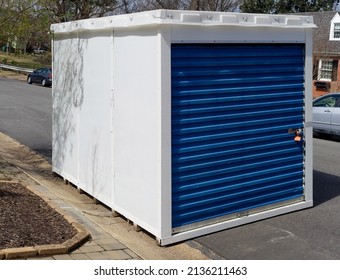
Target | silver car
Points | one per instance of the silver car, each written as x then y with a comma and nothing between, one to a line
326,114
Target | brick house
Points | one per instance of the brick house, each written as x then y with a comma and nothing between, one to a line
326,53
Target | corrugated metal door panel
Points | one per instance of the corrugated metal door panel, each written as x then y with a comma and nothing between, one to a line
232,106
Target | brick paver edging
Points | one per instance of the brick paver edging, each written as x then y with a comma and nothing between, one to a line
52,249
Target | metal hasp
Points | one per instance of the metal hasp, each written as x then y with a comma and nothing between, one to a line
185,122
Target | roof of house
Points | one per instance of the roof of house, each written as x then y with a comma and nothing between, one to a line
322,44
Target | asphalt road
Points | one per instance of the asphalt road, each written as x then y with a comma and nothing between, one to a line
25,114
309,234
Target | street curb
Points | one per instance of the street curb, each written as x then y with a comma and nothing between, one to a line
66,247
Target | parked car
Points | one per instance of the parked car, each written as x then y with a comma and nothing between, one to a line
326,114
41,76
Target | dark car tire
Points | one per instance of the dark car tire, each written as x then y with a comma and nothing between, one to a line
44,83
29,80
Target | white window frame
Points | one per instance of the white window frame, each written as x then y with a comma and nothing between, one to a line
322,70
335,27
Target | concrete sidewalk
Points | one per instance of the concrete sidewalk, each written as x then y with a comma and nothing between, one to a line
112,238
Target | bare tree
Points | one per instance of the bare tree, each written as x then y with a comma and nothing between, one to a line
213,5
201,5
157,4
223,5
67,10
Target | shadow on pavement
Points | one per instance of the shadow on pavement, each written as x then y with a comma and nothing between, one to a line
325,187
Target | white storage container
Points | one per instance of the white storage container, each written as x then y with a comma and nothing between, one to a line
186,122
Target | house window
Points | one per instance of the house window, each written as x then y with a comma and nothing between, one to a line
334,34
336,31
325,70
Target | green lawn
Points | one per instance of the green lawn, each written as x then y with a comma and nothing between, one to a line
26,61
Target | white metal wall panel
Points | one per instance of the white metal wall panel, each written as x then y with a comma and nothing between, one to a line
65,121
137,127
82,113
96,114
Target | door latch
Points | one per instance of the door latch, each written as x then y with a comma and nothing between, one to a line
297,134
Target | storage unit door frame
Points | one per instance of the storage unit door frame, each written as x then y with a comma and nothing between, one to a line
234,114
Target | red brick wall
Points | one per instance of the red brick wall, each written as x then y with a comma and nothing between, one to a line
317,93
334,86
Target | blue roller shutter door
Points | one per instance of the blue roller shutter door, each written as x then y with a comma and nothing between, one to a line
232,107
